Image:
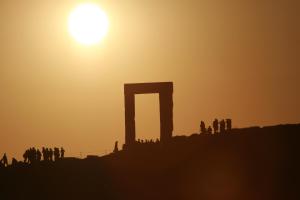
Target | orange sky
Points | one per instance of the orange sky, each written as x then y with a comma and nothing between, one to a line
237,59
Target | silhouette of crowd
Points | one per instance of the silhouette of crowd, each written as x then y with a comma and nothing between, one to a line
221,126
33,155
139,141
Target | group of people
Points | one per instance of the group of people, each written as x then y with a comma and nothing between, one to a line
33,155
219,126
139,141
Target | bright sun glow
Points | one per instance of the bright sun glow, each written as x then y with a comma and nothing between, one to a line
88,24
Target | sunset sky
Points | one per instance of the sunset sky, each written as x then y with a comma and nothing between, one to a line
227,59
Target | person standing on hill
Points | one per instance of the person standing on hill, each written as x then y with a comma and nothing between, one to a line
51,154
4,160
228,124
209,130
38,155
56,154
62,153
25,156
202,127
116,149
222,126
216,125
44,153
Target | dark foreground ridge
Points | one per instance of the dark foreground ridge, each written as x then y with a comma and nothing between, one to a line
251,163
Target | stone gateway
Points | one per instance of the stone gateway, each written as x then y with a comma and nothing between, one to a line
165,90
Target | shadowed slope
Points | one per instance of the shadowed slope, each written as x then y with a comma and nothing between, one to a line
251,163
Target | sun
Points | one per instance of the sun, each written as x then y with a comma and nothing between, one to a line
88,24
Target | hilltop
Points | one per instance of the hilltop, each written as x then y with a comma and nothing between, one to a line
249,163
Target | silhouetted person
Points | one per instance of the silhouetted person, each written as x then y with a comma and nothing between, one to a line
209,130
202,127
25,156
38,155
216,125
228,124
50,154
32,155
47,154
56,154
43,152
62,152
222,126
116,149
14,162
4,160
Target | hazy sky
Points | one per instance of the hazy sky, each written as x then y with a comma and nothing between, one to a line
237,59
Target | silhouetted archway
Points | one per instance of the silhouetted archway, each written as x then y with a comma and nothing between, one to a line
165,90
